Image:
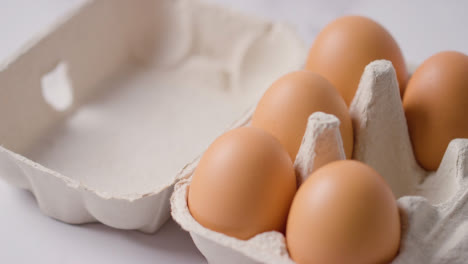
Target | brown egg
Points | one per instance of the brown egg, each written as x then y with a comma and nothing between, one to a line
243,185
344,47
436,106
285,107
343,213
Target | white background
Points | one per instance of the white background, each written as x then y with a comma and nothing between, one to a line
27,236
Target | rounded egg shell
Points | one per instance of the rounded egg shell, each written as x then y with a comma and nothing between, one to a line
285,107
344,47
243,184
436,106
343,213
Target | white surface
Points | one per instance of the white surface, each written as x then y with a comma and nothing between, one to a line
420,27
27,236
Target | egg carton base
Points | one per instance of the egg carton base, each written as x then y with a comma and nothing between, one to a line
433,225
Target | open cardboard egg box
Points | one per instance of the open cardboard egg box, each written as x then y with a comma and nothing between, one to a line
432,204
99,114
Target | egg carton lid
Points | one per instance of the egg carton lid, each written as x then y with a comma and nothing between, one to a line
104,108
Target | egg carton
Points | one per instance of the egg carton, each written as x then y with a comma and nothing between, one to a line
433,205
102,110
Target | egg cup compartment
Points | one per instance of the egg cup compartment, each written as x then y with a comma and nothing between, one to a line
432,204
100,113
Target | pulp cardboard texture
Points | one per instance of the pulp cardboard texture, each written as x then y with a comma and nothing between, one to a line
433,205
101,112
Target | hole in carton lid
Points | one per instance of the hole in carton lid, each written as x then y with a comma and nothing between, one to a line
56,87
